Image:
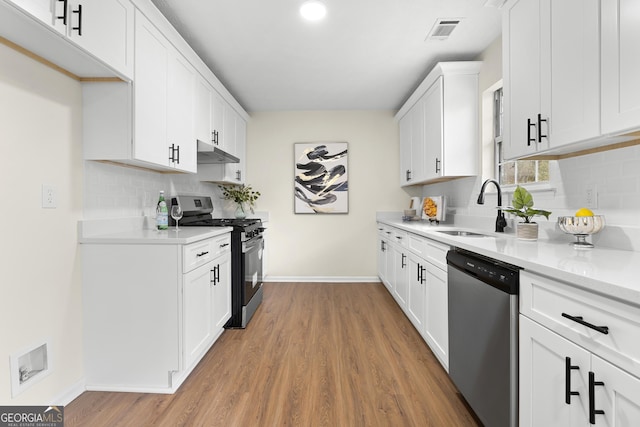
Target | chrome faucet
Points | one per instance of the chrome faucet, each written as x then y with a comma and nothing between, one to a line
501,222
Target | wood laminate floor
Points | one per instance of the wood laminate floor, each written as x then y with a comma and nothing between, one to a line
315,354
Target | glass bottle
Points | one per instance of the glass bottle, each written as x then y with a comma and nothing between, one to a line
162,213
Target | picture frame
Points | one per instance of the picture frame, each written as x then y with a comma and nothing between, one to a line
321,178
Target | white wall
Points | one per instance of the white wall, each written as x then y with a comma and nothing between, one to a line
40,142
325,245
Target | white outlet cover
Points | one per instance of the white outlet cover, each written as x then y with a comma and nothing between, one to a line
49,200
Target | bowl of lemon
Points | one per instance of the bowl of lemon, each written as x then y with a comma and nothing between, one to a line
581,225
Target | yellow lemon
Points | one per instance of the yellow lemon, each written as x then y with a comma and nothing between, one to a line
584,212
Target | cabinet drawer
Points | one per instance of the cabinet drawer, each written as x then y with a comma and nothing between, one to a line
197,254
437,253
545,300
418,245
221,244
400,237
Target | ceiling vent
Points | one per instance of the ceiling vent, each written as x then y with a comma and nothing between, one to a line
443,28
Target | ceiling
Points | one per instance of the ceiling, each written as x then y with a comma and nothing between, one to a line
366,54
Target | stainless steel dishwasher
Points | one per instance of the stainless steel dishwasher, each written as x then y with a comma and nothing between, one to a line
483,335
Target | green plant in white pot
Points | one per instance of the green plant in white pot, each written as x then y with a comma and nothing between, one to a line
241,195
523,207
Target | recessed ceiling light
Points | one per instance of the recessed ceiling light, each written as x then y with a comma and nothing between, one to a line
313,10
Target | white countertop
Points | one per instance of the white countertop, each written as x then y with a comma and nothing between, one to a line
611,272
134,231
183,236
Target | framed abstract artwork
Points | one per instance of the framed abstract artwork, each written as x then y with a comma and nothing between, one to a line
321,178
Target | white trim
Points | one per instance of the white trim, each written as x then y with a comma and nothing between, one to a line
323,279
70,394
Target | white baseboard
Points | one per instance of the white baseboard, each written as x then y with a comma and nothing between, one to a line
323,279
70,394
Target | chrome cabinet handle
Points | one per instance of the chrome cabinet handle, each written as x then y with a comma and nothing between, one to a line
568,367
437,165
578,319
403,263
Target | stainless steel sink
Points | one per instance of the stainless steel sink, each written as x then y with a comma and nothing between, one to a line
462,233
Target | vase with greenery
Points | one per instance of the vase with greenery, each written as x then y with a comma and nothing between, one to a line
242,195
522,206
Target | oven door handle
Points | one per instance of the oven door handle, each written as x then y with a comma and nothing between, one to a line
251,243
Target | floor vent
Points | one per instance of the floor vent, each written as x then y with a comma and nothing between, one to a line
443,28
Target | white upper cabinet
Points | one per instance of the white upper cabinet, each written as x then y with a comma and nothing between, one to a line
620,66
202,111
412,146
551,74
163,101
147,123
102,28
439,130
234,133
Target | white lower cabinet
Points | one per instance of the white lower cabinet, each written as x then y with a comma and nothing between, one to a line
416,298
414,270
401,276
151,311
568,373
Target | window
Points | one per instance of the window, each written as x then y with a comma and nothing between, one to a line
514,172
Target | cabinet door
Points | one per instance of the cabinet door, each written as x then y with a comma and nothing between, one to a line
543,378
51,12
433,129
620,65
217,117
202,111
196,295
521,76
416,301
150,94
104,28
570,60
618,397
229,130
401,278
405,149
418,167
383,246
180,97
221,293
241,149
390,269
437,314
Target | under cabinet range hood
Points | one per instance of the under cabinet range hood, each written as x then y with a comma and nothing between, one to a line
210,154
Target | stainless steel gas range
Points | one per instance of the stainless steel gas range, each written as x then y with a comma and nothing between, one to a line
247,246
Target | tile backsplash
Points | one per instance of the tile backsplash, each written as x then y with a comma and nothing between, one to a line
614,174
113,191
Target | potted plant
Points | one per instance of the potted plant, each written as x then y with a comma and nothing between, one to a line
523,207
241,194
